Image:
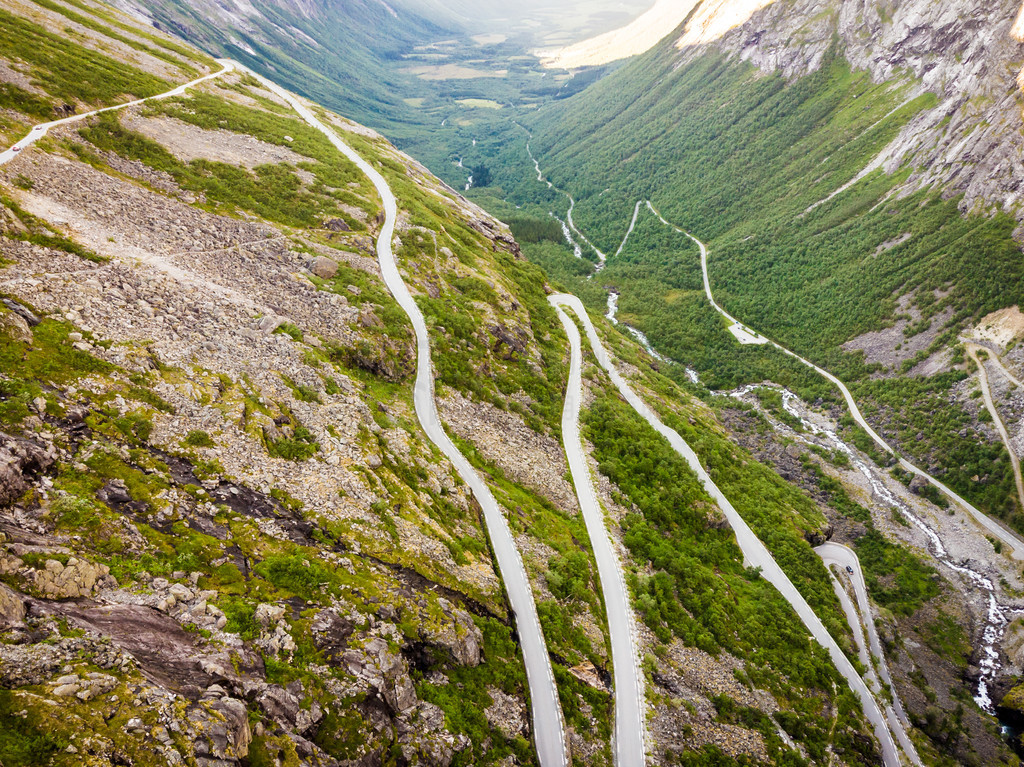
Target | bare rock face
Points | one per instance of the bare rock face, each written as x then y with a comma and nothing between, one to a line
20,461
589,674
384,671
15,326
12,608
966,52
160,646
424,739
331,631
219,727
460,637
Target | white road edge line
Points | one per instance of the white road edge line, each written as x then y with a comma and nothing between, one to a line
754,551
548,724
630,696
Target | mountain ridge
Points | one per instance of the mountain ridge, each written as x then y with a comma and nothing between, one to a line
211,443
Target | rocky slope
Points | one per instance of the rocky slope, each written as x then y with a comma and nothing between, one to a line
967,52
224,539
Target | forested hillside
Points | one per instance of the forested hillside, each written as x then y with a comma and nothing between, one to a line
852,173
225,538
759,167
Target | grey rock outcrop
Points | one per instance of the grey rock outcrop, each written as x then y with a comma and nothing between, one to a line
20,461
424,739
331,631
21,310
384,671
966,52
15,326
12,608
459,635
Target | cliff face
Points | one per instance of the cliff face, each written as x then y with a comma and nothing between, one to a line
967,52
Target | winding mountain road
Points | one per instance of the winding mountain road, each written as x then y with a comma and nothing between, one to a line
630,698
40,130
991,525
860,619
1009,376
986,393
753,549
548,727
755,553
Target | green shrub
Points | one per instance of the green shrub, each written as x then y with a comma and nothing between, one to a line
896,578
22,741
199,438
300,575
136,427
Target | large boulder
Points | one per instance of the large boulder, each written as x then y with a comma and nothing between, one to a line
324,268
22,311
424,739
220,732
15,327
457,634
12,608
385,672
330,632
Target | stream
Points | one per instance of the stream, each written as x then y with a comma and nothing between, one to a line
613,308
998,615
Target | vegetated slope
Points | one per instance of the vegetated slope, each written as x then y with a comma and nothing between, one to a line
749,160
429,75
225,537
212,418
60,60
341,54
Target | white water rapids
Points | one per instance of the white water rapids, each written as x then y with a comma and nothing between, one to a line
613,308
998,615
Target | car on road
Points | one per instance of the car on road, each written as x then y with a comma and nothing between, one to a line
15,148
849,569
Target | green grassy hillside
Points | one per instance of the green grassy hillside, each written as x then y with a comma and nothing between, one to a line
747,161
